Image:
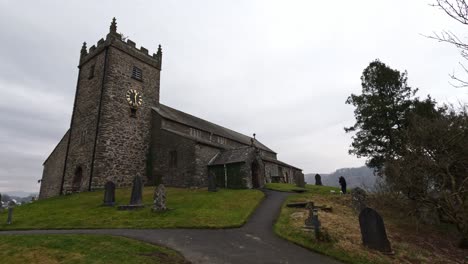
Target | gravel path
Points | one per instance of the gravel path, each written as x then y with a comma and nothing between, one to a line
255,242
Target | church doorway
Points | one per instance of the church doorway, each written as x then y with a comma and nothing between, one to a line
77,179
255,174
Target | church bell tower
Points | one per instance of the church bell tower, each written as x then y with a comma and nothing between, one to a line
109,134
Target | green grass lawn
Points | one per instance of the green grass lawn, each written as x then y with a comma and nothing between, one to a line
195,208
82,249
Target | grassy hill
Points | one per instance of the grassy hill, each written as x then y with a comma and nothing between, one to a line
195,208
412,242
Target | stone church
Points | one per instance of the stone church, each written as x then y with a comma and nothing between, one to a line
119,129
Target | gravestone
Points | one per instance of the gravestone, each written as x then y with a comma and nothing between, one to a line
212,183
159,199
109,194
11,205
300,181
309,222
358,199
136,198
373,231
1,204
318,179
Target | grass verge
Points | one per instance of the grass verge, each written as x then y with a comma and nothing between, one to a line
411,243
82,249
195,208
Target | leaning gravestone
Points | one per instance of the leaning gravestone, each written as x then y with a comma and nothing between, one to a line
309,222
373,231
358,199
212,183
136,199
159,199
109,194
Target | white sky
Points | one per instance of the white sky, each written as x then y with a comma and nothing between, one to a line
280,69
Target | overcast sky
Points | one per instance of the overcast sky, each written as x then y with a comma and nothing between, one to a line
280,69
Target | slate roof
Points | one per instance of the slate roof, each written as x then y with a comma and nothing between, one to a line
279,162
232,156
193,121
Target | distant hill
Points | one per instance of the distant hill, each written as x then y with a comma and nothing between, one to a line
355,177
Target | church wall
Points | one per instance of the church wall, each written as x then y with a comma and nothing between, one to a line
83,126
271,169
173,156
203,155
53,170
123,141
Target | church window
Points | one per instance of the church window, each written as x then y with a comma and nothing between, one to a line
173,159
221,140
137,73
83,136
195,132
91,71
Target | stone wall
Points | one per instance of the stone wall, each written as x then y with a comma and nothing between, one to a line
180,174
123,141
203,155
84,122
271,169
53,170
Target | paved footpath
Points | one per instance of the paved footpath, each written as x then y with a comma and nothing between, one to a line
255,242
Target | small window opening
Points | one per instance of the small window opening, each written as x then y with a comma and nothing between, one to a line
137,74
91,71
133,112
195,132
173,159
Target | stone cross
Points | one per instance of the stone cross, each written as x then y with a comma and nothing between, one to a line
358,199
159,198
11,205
373,231
137,191
109,194
212,183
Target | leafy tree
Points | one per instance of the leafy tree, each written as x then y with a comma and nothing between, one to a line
380,114
433,171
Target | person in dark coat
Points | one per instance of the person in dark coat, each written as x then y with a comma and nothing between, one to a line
342,182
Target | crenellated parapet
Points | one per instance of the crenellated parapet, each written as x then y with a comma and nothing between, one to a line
115,40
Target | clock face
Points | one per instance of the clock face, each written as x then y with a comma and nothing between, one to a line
134,98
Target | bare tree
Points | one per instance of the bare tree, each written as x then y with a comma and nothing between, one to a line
458,10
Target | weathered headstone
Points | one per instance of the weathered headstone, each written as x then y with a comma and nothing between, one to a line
212,183
309,222
159,199
11,205
373,231
318,179
300,181
342,182
136,198
137,191
109,194
358,199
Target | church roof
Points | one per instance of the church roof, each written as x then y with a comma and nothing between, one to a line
232,156
193,121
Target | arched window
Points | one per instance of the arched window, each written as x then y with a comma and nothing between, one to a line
77,179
